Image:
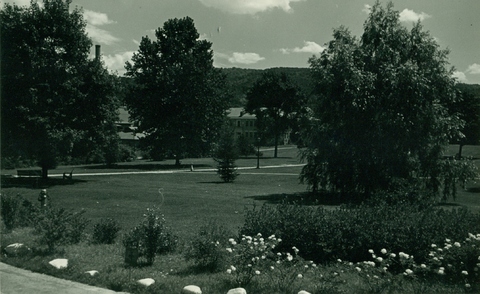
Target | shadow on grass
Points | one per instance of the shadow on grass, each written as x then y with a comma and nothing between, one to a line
37,183
144,166
265,157
308,198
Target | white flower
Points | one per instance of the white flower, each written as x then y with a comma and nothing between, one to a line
289,258
423,266
393,255
384,251
358,269
467,285
433,245
279,254
339,260
404,255
300,276
233,268
441,272
379,259
457,244
257,272
465,273
409,271
370,251
272,268
229,250
448,240
229,271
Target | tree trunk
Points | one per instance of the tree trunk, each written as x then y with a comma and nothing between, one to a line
44,172
459,155
276,146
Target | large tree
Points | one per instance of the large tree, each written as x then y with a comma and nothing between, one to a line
178,97
380,114
275,101
468,106
52,94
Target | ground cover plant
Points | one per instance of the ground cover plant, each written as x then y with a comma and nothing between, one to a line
191,201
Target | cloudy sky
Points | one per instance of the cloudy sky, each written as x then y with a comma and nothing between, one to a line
276,33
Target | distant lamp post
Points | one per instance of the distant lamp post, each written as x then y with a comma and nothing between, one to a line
258,152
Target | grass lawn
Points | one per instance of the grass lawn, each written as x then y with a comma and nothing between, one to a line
187,199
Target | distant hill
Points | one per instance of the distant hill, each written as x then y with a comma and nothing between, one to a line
240,80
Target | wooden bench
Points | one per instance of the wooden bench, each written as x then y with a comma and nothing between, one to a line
68,176
29,172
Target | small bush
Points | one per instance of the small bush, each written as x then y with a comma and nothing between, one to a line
17,211
151,237
106,231
207,249
57,226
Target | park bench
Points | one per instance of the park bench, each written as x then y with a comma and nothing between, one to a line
68,176
29,172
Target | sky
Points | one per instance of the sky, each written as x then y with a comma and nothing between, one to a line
262,34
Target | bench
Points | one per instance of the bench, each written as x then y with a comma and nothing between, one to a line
29,172
68,176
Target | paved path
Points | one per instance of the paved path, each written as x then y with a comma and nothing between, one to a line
19,281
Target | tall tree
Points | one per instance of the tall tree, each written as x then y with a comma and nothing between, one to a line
468,106
274,100
47,102
381,112
178,97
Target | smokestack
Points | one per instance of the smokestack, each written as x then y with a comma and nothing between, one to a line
97,52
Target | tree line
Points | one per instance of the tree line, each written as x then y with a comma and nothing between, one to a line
377,111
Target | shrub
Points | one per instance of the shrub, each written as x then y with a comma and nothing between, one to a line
57,226
151,237
17,211
207,248
323,235
225,155
106,231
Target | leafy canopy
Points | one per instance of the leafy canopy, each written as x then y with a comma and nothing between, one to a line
53,96
178,96
380,116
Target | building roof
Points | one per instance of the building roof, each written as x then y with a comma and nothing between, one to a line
239,113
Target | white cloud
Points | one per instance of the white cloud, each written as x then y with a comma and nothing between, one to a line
100,35
308,47
367,8
245,58
20,2
238,58
460,76
136,42
474,69
96,18
249,6
116,62
408,15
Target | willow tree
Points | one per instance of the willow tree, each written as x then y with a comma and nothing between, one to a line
381,110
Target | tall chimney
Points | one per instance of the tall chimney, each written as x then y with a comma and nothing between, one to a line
97,52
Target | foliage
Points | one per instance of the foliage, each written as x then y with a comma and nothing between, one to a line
16,211
245,146
105,231
58,226
455,171
325,235
225,155
151,237
174,79
468,107
53,97
275,101
381,108
207,248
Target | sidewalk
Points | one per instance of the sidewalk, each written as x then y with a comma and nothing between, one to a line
19,281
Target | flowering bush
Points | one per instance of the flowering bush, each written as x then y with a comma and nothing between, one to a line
152,236
255,256
105,232
452,262
207,249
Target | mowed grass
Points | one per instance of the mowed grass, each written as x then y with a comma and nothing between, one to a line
187,199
